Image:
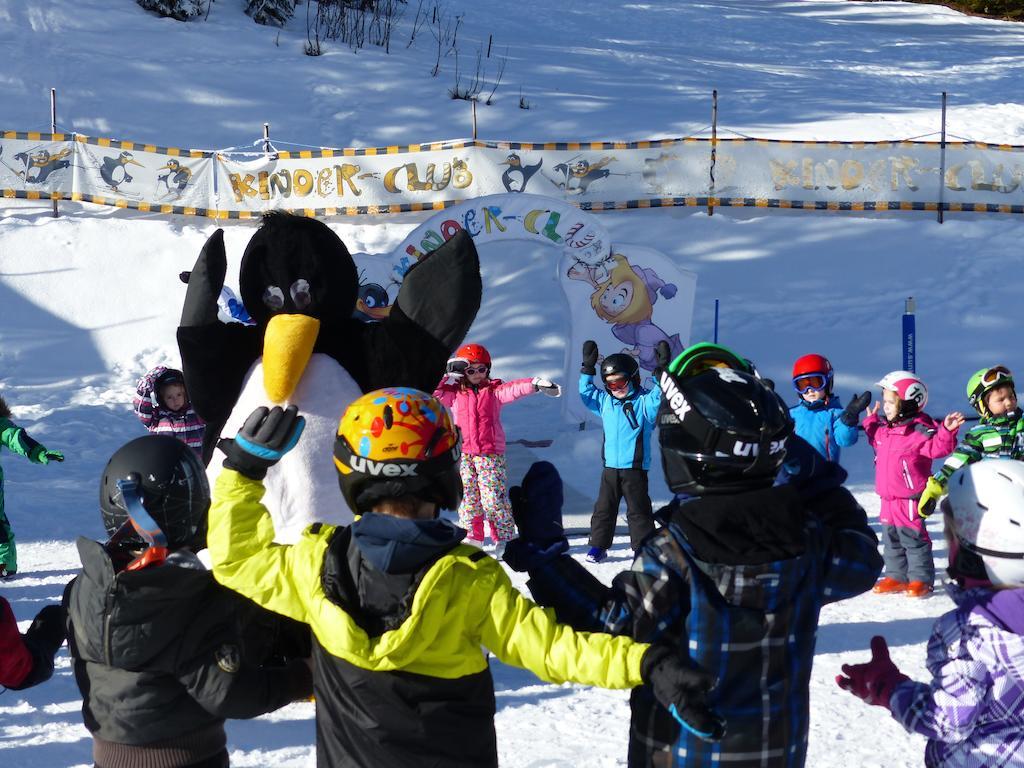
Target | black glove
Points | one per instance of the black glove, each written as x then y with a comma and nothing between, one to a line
851,414
589,366
47,632
662,358
537,504
682,688
266,436
537,510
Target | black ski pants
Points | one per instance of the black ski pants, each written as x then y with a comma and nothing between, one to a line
616,484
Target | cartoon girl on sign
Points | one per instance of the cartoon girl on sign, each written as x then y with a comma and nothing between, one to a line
625,296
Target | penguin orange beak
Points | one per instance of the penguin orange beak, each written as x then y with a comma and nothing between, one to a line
287,348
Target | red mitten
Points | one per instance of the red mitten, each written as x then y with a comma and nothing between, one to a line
15,659
875,681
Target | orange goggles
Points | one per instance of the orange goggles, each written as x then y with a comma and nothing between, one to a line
815,382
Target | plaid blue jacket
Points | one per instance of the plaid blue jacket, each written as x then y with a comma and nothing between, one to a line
753,626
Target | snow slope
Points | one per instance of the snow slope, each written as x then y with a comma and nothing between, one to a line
90,301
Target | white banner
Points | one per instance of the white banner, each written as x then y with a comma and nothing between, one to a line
587,175
627,298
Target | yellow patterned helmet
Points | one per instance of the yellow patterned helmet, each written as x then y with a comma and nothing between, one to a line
396,442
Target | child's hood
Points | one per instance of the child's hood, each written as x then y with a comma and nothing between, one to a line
396,545
752,545
1004,608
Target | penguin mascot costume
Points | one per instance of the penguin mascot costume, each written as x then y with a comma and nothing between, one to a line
300,286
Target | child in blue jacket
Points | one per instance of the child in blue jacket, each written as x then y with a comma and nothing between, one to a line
820,418
627,412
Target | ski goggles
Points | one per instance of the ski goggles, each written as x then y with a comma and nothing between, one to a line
996,374
990,379
813,382
618,384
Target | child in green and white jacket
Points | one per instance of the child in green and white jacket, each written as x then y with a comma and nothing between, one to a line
17,440
999,434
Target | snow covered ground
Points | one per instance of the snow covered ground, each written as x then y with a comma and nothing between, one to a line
90,301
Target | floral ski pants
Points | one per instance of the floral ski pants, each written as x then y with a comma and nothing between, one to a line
485,494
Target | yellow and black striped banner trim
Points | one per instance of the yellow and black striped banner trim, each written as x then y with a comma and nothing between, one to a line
133,146
617,205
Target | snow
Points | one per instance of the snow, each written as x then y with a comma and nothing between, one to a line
90,300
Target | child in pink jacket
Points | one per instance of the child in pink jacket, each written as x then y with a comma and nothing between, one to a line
906,441
476,401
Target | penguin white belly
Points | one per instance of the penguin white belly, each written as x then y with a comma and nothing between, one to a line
303,487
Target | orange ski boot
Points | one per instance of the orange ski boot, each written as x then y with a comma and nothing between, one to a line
918,589
889,586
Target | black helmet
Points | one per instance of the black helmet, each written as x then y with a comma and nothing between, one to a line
170,481
623,365
721,431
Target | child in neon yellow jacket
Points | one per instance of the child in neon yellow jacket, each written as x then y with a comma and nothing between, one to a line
398,606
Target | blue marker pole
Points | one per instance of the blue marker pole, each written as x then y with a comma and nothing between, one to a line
716,321
909,336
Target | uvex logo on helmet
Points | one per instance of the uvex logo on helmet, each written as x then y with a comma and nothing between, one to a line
381,468
672,396
753,449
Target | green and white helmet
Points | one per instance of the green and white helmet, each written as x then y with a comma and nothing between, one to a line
706,355
983,382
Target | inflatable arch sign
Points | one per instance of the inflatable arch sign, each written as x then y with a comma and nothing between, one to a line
625,297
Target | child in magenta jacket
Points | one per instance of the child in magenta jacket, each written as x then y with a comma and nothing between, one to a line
476,401
906,441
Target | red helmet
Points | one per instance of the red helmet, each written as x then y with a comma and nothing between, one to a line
473,353
812,372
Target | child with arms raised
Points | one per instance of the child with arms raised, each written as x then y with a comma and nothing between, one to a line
476,401
402,611
906,440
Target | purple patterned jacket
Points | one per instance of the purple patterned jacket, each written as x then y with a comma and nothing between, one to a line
185,424
973,710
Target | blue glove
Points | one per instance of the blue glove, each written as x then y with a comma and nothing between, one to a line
537,510
267,435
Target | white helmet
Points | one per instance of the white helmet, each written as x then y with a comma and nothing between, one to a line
987,499
909,388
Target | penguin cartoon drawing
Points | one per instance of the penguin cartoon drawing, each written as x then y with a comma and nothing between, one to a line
517,176
305,348
114,170
579,175
176,178
40,164
372,303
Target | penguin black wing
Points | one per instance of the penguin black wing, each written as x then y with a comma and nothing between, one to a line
435,308
215,356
